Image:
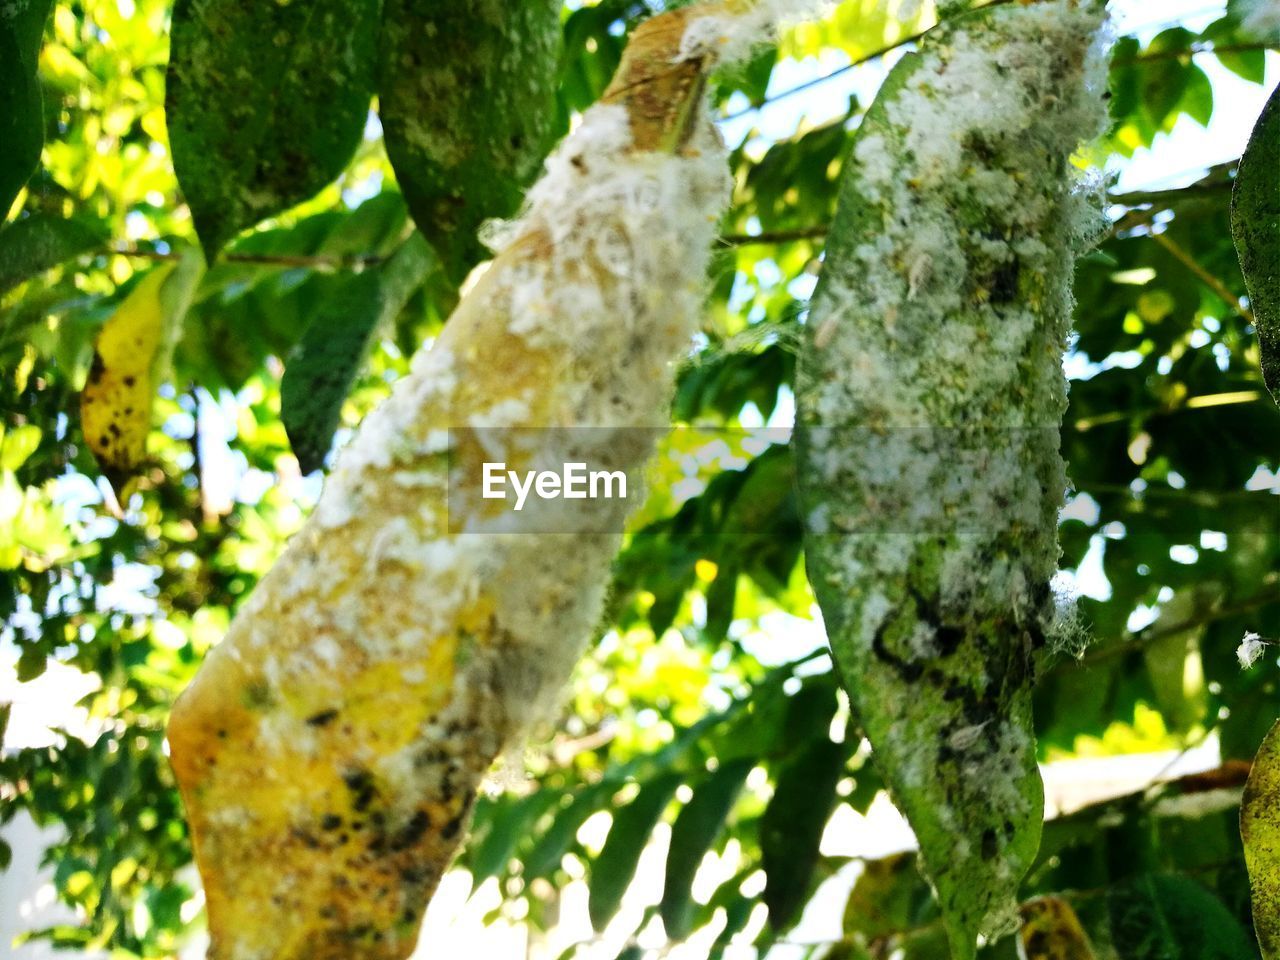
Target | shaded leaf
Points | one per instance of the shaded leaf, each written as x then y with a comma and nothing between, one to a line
792,824
40,242
265,104
694,831
552,845
886,898
612,871
1255,227
1171,917
466,97
491,847
21,105
321,370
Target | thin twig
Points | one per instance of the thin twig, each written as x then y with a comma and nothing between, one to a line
271,259
1140,639
774,236
1207,278
1192,51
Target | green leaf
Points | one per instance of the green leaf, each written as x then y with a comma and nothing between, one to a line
265,103
466,97
40,242
1197,98
21,105
6,855
721,595
550,849
1171,917
505,824
321,370
1260,831
18,445
1165,80
1248,64
612,871
1255,227
792,824
695,829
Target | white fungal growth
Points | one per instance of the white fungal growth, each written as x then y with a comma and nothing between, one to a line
412,629
734,29
1250,650
929,425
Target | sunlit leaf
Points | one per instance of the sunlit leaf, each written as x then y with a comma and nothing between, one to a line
129,357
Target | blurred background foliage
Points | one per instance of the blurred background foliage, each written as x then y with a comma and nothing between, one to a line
707,704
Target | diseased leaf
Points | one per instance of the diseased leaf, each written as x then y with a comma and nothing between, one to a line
40,242
612,871
1260,831
1051,931
792,824
265,104
695,829
466,96
129,357
320,371
1255,227
928,433
886,898
21,104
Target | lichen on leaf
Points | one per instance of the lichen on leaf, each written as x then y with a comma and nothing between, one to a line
1260,831
1255,227
930,394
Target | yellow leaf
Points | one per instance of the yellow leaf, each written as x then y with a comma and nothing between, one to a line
1260,831
1052,931
131,351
